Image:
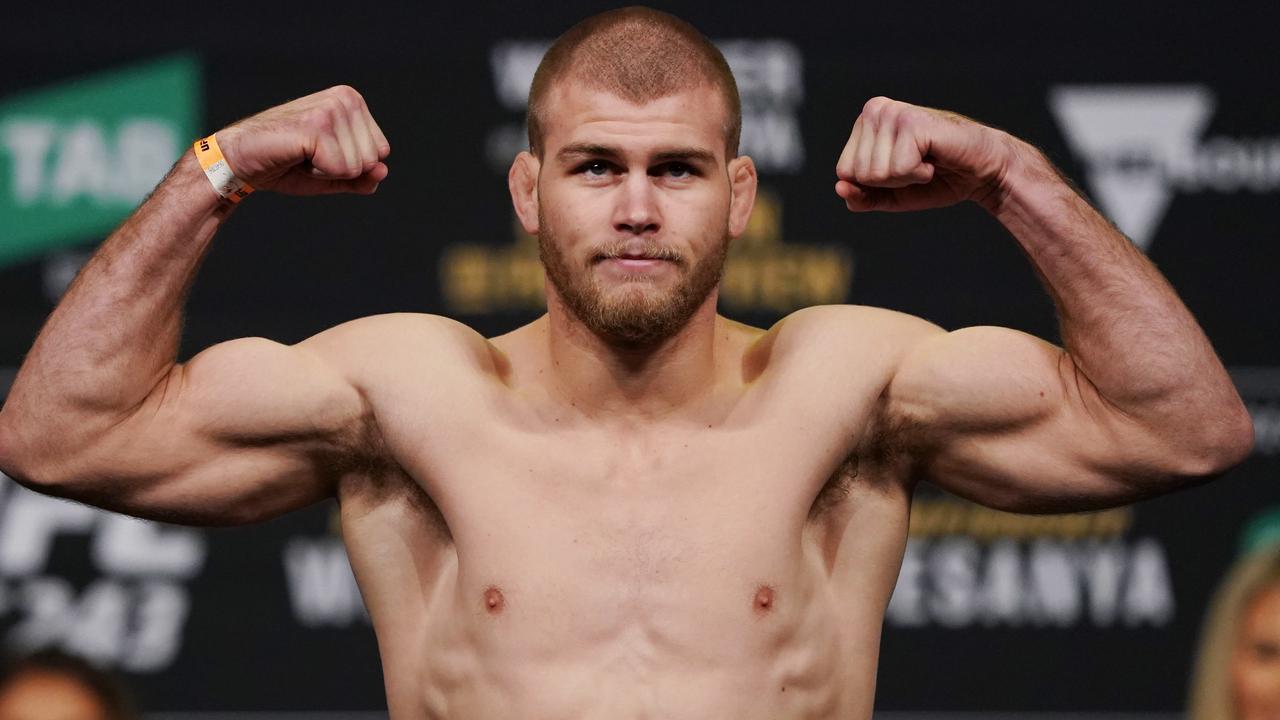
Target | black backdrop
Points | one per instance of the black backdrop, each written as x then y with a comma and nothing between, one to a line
1096,614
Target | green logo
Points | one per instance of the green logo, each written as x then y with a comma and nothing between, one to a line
77,158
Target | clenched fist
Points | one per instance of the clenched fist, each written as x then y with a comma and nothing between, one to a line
326,142
907,157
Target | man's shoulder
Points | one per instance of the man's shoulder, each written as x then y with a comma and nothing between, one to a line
406,326
837,326
835,346
392,340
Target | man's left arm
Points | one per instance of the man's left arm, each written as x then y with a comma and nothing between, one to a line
1135,404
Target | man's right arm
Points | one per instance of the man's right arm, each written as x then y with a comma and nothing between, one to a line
100,410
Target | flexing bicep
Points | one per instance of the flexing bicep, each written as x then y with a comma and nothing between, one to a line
1008,420
245,430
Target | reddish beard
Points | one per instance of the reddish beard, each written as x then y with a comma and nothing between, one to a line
632,316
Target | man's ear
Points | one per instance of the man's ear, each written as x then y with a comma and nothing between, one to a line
742,193
522,181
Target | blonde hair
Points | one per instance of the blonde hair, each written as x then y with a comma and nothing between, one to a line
1211,697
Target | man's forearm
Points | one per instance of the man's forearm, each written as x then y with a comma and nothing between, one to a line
114,335
1121,320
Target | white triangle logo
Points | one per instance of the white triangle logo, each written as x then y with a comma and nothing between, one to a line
1129,136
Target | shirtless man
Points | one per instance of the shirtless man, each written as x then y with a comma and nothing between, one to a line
631,507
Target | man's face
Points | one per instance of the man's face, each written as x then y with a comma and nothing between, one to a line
633,208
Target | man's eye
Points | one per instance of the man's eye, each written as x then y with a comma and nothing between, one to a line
595,167
1267,651
679,170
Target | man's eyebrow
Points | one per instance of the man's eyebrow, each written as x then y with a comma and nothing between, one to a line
677,154
686,154
580,149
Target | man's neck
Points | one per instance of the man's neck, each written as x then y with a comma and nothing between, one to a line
608,378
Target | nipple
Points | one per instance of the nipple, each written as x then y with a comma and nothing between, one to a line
493,600
763,602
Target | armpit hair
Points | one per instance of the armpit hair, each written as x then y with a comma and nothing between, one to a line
883,449
373,471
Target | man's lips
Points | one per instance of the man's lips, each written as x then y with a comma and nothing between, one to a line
633,263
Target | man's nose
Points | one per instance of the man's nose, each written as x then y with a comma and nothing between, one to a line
637,206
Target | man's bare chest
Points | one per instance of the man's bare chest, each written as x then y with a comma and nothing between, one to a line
662,502
586,482
564,521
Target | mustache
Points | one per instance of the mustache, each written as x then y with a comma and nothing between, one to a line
629,249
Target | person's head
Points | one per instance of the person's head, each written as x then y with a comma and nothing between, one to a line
634,120
1237,672
53,685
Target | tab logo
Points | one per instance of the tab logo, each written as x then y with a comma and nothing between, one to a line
1142,143
77,157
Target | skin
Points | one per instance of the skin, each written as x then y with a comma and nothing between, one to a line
38,695
1255,666
550,523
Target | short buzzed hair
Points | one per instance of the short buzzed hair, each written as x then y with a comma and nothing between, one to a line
640,55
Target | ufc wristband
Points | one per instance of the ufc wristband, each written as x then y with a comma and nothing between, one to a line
225,182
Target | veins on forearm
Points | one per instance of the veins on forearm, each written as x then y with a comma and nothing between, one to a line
1120,319
115,332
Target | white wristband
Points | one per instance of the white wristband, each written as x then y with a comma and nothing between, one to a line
225,182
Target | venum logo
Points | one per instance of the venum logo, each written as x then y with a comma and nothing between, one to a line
1142,143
